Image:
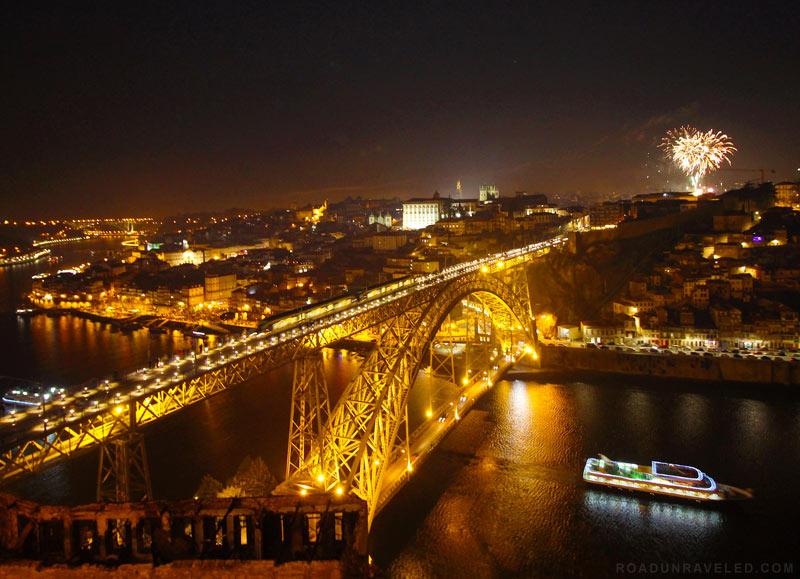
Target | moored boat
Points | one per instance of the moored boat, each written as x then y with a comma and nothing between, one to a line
661,478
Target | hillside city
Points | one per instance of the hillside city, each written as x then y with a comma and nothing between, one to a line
727,281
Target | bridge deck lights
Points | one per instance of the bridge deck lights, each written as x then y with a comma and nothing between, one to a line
171,373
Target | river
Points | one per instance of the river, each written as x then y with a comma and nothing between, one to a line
502,495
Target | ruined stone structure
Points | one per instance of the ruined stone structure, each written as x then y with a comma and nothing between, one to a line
280,529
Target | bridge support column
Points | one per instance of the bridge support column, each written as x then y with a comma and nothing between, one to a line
123,474
443,361
517,281
358,446
310,408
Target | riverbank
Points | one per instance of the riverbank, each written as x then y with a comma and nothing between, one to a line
426,438
24,258
702,368
503,495
156,324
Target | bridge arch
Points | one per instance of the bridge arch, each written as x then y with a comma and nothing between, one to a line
356,447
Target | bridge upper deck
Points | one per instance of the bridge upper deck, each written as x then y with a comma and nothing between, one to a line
67,422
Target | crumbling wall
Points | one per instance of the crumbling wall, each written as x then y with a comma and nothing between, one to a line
278,529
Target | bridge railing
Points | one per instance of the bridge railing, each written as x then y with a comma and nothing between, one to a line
31,441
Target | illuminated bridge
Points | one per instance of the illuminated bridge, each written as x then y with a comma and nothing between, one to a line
362,443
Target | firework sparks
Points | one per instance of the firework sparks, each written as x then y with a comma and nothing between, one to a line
697,153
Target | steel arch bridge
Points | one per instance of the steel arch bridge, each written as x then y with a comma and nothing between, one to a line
354,448
346,449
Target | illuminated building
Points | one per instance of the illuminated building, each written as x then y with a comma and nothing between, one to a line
464,207
453,226
218,287
606,214
420,213
389,241
602,332
787,194
488,193
733,221
311,214
384,219
425,266
192,296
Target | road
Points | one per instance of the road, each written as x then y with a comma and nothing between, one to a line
58,409
646,350
442,421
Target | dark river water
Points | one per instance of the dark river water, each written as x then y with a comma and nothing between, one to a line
502,495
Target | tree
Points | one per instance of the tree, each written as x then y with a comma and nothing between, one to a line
253,478
231,491
209,487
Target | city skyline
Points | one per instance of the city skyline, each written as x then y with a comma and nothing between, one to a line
217,106
343,289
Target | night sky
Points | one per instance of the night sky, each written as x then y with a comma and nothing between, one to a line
132,108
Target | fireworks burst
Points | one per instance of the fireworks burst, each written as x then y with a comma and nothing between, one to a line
697,153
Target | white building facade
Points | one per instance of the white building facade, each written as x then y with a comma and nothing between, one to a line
420,213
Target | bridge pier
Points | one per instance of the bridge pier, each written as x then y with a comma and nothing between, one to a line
123,473
310,407
347,449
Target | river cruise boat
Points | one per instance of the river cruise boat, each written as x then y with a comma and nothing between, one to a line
661,478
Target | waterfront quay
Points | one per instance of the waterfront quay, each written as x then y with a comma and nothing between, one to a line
23,258
764,368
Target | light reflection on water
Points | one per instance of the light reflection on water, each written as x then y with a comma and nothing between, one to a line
645,512
521,409
503,494
516,504
68,350
692,413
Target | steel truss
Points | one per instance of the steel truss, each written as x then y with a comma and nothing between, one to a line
310,407
31,452
356,446
477,342
355,443
123,474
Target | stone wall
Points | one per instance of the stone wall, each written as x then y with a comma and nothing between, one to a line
282,529
634,229
180,569
672,365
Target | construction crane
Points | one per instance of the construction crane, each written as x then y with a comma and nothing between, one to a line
761,172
